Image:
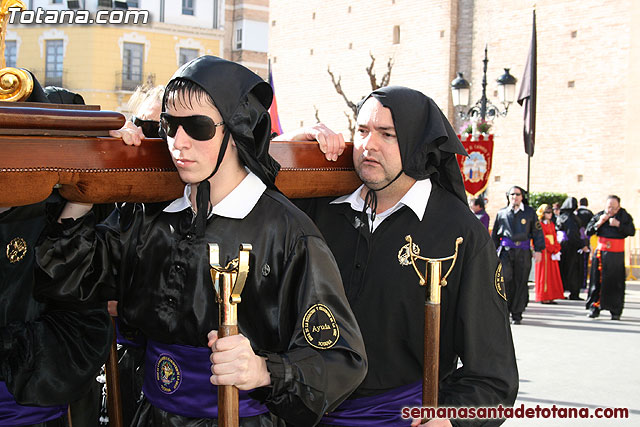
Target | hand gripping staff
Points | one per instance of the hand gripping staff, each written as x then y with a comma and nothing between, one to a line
228,283
433,273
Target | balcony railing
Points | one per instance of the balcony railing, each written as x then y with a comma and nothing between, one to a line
130,81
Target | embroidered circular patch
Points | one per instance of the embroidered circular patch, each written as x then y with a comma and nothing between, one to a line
499,282
319,327
168,375
16,250
523,221
538,225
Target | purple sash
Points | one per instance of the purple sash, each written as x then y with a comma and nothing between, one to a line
14,414
176,380
377,411
507,242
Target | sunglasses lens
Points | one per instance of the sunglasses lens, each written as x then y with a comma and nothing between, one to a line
168,125
200,128
149,128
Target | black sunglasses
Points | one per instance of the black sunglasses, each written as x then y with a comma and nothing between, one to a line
515,194
149,127
201,128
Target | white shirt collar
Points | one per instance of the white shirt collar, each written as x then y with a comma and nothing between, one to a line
520,208
236,204
416,198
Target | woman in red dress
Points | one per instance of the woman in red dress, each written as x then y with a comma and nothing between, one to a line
548,282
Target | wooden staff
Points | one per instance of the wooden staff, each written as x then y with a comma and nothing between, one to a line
114,400
433,271
228,283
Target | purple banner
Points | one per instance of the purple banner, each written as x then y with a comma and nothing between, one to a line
176,380
13,414
382,410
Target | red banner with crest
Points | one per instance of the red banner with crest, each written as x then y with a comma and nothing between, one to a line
477,167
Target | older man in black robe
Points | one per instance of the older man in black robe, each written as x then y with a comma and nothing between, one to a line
607,284
404,152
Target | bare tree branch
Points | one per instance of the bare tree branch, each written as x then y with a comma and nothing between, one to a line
338,87
317,114
374,85
387,76
352,125
371,74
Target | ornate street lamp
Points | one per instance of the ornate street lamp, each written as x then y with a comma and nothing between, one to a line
483,108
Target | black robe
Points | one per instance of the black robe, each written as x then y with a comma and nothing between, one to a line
584,216
389,302
516,263
158,270
570,259
607,283
50,351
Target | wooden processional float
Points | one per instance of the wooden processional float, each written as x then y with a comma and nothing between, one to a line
67,146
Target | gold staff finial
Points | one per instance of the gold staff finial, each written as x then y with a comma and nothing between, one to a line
15,84
413,255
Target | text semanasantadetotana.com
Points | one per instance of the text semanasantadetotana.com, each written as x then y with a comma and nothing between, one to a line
515,412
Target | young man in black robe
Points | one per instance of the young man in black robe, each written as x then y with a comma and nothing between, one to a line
513,229
299,352
607,284
404,152
50,351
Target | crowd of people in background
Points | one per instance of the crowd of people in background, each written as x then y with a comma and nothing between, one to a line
562,263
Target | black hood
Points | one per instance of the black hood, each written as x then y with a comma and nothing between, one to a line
59,95
37,94
243,100
428,144
569,205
